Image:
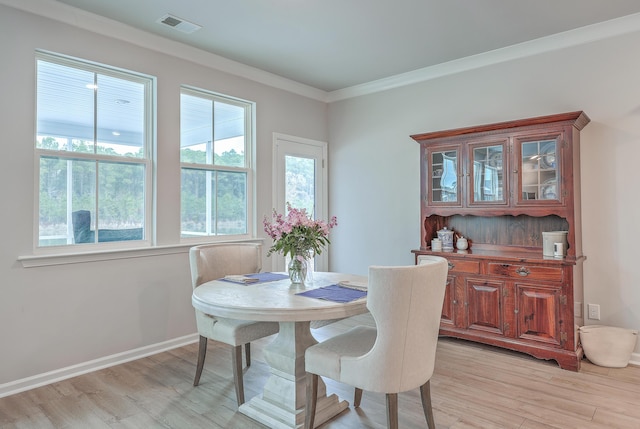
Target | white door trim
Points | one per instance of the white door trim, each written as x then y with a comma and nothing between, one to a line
297,146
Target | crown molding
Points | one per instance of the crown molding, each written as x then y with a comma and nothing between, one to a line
590,33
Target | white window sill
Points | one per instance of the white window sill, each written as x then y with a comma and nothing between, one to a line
33,261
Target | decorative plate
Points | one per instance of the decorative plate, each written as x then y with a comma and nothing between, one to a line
548,155
548,190
495,160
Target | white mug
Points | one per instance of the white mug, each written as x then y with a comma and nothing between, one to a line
558,250
436,245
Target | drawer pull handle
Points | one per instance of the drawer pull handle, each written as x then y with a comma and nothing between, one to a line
451,266
522,271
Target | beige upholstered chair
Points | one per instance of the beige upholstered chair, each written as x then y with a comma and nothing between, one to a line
399,355
214,261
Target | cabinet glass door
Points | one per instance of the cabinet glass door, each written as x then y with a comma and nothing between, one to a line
444,177
539,170
487,177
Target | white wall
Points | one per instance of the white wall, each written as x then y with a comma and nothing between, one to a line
59,316
369,139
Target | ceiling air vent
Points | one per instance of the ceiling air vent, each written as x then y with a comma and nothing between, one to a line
179,24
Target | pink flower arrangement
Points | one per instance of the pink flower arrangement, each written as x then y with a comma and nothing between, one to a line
297,234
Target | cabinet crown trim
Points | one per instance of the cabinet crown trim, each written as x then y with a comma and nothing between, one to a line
578,119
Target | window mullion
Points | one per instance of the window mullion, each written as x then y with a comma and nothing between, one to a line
95,113
69,199
95,203
210,174
214,203
209,189
95,152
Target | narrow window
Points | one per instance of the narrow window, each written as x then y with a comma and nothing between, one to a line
93,147
215,147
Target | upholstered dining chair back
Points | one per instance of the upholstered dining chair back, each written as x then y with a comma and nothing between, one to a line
406,303
214,261
399,353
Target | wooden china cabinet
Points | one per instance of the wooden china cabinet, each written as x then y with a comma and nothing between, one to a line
501,186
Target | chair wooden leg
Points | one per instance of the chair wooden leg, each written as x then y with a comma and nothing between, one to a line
425,394
236,363
312,397
392,410
357,397
247,353
202,352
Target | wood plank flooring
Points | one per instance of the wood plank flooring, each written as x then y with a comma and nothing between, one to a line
474,386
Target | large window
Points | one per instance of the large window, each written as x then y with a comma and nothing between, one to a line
215,147
93,146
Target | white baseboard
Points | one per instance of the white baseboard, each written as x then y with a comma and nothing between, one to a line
635,359
32,382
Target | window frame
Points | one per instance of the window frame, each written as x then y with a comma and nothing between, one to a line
147,161
249,165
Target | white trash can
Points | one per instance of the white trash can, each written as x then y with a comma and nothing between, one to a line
607,345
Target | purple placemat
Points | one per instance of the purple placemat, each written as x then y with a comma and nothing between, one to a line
335,293
268,277
261,278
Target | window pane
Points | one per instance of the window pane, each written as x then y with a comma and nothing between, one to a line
202,214
300,182
230,152
193,207
68,201
211,132
121,200
539,170
487,173
232,203
65,106
120,117
61,194
229,134
68,99
196,129
53,202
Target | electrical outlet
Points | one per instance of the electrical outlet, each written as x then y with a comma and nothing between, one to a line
577,309
594,311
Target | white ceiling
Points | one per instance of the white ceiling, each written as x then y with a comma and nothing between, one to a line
335,44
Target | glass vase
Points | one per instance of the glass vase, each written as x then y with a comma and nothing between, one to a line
310,268
298,270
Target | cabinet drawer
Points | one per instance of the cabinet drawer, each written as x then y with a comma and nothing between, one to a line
463,266
521,271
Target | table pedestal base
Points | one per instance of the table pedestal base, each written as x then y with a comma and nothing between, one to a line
282,404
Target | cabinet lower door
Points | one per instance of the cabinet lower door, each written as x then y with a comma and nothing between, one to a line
538,310
484,306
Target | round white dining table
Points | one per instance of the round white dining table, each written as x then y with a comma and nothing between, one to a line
282,402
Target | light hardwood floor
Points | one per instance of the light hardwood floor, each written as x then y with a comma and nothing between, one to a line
474,386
